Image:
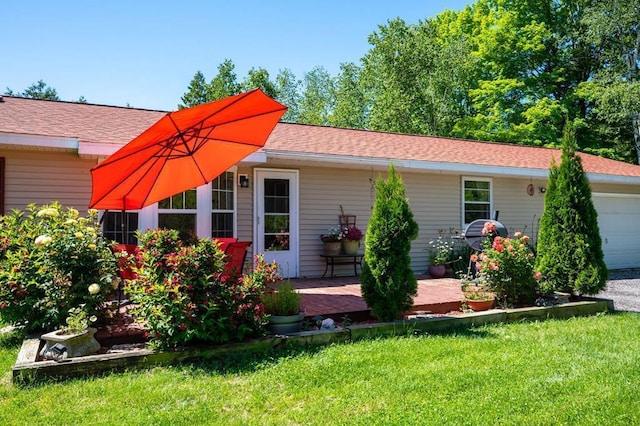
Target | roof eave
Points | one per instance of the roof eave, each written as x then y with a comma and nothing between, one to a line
437,167
45,143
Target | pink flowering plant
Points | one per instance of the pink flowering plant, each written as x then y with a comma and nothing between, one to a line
505,267
53,261
352,233
183,296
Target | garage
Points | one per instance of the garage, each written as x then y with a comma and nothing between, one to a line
619,222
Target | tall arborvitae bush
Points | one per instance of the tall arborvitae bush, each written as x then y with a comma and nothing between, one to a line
388,283
569,250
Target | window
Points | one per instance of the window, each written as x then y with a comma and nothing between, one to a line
222,205
277,214
112,227
179,212
476,199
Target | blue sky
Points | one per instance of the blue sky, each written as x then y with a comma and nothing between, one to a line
145,53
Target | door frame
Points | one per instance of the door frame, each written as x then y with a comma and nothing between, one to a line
294,214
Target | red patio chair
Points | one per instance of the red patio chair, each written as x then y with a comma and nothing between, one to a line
236,255
124,269
224,242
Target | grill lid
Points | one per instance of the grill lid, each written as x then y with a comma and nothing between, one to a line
473,233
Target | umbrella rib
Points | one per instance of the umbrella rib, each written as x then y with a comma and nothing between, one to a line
243,117
124,179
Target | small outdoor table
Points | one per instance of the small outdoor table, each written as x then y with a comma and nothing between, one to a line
342,259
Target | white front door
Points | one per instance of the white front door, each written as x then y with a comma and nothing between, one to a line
276,218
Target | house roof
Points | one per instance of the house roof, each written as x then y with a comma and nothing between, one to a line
100,124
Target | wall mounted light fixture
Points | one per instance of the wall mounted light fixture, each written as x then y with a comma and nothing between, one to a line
243,181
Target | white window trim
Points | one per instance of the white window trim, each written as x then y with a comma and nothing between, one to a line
233,170
148,217
462,200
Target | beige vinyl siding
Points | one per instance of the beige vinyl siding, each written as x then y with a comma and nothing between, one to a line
518,210
43,177
245,210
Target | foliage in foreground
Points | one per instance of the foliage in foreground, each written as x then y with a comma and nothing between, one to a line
387,282
51,261
184,296
576,371
569,250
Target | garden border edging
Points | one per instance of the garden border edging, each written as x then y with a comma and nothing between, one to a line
27,369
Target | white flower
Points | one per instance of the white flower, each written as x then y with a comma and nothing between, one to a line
93,318
94,289
48,212
70,221
43,240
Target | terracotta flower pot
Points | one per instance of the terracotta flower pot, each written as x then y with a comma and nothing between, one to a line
480,305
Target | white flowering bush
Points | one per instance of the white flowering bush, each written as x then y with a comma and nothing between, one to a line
52,261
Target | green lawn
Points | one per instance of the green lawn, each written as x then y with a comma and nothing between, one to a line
577,371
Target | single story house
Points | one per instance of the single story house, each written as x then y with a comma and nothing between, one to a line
285,195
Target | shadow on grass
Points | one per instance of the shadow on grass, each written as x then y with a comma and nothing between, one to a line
252,360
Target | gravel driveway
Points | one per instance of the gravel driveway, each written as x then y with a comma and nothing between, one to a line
623,288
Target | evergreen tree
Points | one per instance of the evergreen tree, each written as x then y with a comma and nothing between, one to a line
388,283
197,93
569,248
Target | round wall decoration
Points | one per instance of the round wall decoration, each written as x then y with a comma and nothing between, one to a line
531,189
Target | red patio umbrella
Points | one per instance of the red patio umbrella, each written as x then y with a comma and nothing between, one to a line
183,150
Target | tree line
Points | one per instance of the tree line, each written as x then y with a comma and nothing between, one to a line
516,71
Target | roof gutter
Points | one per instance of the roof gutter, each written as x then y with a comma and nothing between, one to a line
19,140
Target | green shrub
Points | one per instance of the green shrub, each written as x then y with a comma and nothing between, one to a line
569,250
51,261
387,281
184,297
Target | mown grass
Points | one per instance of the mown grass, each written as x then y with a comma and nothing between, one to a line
577,371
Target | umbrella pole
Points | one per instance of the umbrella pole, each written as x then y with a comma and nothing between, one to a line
123,229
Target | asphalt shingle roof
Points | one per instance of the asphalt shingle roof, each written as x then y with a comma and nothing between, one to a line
117,125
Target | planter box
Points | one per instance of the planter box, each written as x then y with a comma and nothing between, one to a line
27,369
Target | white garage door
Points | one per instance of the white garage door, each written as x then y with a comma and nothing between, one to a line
619,222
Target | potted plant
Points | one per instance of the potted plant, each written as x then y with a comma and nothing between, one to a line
476,295
73,340
283,306
440,254
351,237
331,241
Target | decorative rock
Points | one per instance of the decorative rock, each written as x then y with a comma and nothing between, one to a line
328,324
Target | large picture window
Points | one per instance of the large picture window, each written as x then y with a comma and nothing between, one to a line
179,212
222,205
476,199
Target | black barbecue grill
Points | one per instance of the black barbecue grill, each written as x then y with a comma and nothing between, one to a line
473,233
